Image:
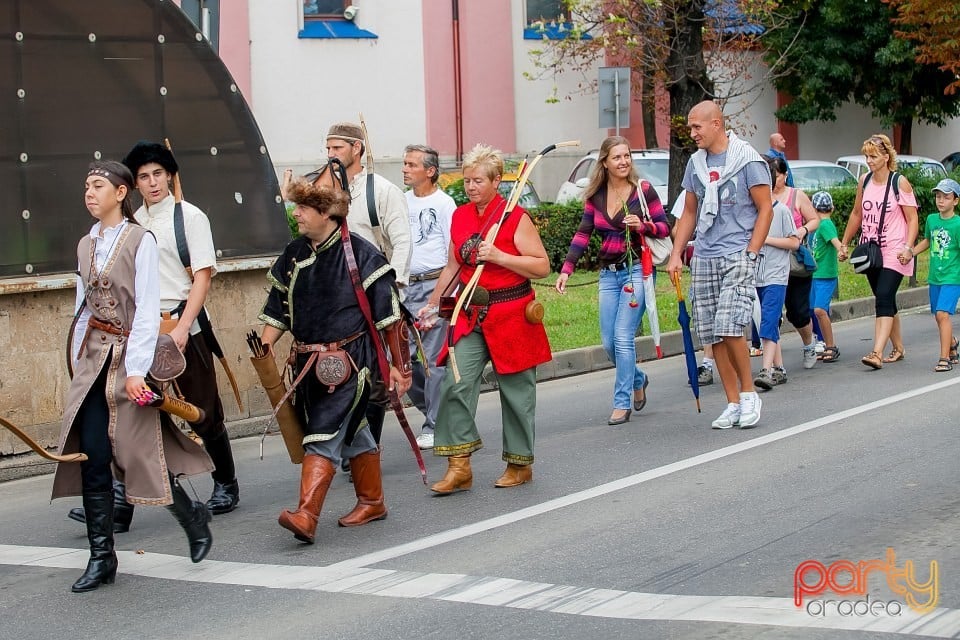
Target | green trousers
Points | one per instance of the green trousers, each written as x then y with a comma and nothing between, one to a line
456,432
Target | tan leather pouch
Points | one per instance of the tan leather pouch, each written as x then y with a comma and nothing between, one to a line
167,323
533,312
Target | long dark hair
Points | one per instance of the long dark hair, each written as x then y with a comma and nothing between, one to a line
119,176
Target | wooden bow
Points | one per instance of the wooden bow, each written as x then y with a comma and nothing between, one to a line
466,294
39,450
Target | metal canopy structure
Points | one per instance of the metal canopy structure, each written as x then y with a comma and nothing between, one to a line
86,80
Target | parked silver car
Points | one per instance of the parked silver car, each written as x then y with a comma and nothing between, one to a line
857,165
811,175
653,165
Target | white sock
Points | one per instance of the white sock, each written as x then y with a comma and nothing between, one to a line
708,363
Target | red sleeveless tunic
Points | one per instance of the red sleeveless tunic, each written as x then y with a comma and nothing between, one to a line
514,343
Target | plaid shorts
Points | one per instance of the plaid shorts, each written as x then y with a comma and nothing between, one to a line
723,291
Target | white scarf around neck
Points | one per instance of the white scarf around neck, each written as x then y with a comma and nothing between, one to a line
739,153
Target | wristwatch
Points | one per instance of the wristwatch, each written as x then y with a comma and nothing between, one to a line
752,256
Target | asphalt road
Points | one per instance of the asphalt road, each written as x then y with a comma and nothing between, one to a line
661,528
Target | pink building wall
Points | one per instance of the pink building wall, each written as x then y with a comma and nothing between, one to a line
235,42
486,71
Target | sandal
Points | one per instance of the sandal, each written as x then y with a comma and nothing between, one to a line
954,358
896,355
943,364
873,360
830,354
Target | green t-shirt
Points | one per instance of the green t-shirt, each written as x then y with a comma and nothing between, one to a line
944,237
824,251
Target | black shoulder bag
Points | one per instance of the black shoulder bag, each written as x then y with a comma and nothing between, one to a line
868,254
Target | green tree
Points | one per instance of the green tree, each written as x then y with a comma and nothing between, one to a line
932,25
841,51
694,49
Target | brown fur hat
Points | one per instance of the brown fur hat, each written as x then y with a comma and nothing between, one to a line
333,202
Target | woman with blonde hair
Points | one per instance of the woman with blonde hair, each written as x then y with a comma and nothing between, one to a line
885,211
612,207
496,329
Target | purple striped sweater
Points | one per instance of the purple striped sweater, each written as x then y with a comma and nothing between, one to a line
613,242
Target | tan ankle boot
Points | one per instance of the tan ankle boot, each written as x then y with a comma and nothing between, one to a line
516,474
315,479
368,485
459,476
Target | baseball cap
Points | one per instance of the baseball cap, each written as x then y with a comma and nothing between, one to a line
947,185
822,201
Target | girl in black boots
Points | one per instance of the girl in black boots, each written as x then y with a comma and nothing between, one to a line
118,300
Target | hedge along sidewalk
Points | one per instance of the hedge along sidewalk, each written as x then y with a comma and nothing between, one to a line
563,364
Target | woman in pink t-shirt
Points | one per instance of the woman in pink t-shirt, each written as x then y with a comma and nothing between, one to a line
900,227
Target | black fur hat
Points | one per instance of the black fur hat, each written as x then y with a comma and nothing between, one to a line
146,152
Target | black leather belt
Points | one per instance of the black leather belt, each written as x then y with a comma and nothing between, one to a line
616,266
510,293
427,275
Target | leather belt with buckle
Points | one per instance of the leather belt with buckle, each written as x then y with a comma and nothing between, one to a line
616,266
427,275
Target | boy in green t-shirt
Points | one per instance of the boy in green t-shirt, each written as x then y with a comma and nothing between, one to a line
942,237
825,246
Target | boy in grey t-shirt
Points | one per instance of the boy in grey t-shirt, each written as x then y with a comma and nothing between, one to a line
773,271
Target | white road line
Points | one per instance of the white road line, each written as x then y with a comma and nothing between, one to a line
420,544
495,592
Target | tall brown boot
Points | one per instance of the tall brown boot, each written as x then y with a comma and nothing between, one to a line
515,475
459,476
315,479
368,484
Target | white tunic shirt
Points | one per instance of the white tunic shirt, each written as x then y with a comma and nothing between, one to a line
143,335
392,213
175,283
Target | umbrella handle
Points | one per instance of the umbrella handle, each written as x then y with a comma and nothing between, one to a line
675,276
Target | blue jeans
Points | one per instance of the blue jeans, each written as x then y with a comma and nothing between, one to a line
618,330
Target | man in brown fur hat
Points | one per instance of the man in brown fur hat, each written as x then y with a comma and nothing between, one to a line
312,297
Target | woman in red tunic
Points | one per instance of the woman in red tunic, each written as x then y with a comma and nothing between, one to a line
497,331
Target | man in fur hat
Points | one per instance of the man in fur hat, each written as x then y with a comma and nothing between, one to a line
312,297
182,296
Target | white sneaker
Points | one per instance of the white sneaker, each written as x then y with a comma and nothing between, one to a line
809,357
729,418
820,346
425,440
750,404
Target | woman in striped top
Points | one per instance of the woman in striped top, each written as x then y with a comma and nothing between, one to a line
612,209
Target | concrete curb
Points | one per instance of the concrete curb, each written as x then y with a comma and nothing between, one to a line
564,364
587,359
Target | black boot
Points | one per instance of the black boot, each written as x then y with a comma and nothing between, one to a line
102,567
226,490
122,510
195,518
